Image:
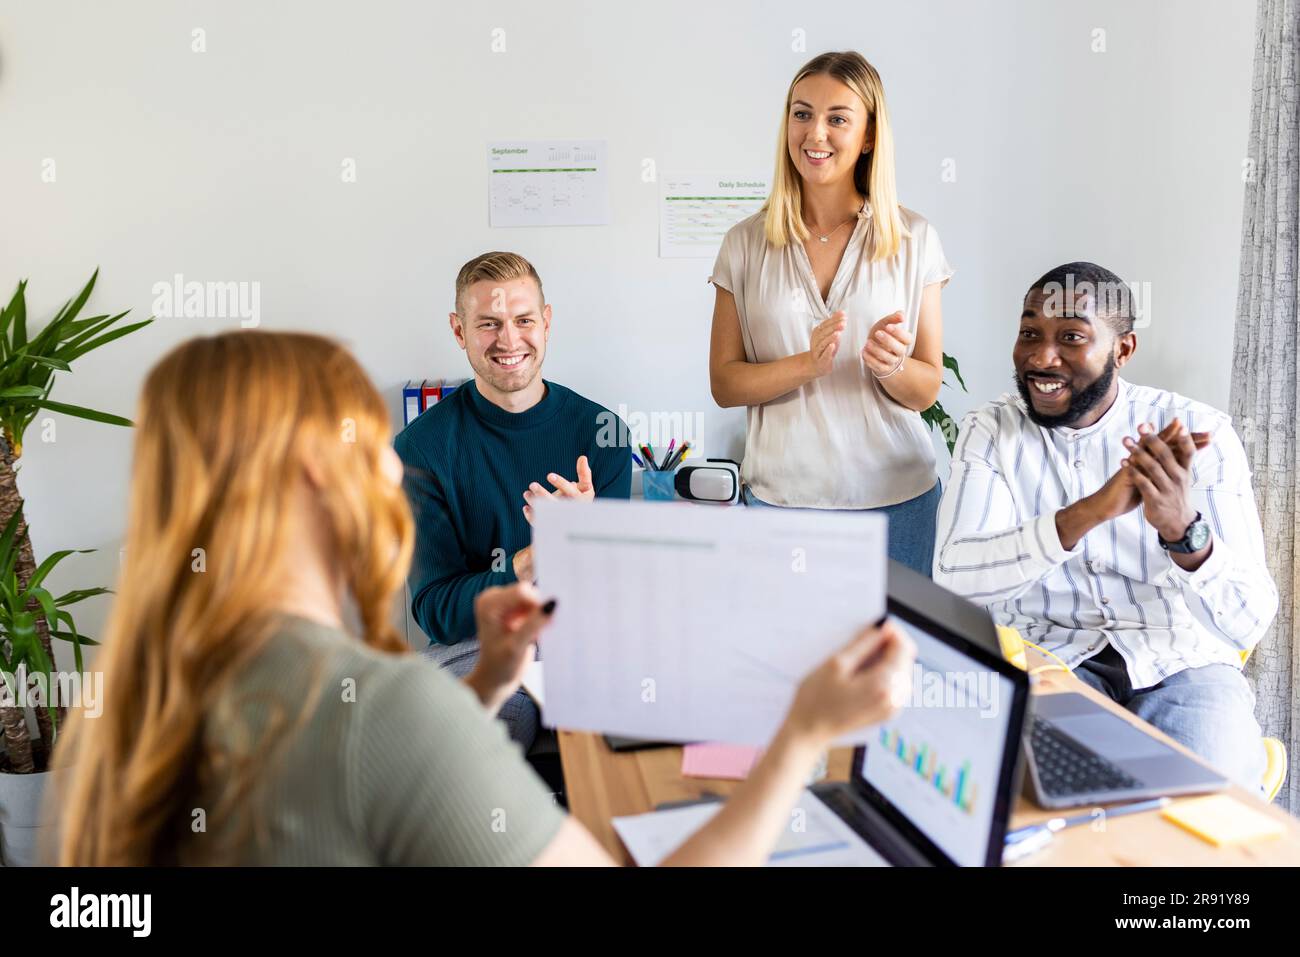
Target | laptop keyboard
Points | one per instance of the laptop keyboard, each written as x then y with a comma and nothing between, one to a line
1066,767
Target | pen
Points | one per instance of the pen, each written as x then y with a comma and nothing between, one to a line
676,459
1052,825
650,456
650,459
1030,845
637,460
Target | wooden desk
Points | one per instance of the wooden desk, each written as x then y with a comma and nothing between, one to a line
602,785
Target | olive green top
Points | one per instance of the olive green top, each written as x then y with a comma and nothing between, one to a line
393,762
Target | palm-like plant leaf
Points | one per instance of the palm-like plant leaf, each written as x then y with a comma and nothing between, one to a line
81,412
80,594
28,364
22,607
29,361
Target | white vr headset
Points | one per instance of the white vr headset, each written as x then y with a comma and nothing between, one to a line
713,480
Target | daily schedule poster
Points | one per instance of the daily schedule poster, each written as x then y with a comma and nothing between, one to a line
697,209
548,183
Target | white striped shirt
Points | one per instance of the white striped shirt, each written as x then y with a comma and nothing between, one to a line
999,547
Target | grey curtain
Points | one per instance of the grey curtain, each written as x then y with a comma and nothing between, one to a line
1265,385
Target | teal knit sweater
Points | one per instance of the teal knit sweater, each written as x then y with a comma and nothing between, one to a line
468,463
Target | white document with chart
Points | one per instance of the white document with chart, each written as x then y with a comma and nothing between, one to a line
696,624
548,183
697,209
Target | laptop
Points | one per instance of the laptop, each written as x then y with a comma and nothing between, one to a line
936,784
1076,751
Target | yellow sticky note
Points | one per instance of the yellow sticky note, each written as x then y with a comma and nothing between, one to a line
1222,820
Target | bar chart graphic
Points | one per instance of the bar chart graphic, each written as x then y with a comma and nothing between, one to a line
953,781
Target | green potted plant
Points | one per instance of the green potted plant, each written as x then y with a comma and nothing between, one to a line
936,417
29,615
24,606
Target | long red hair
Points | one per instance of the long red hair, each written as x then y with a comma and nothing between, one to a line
224,427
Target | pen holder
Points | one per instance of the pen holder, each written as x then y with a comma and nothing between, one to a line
658,486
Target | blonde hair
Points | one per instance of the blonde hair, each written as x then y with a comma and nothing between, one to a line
495,267
225,425
873,175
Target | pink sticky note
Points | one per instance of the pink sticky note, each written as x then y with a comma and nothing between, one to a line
732,761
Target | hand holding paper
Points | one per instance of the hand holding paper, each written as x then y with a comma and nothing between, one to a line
864,683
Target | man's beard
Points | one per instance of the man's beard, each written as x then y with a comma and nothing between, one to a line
1081,401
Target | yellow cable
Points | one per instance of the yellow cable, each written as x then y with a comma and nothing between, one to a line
1061,665
1041,668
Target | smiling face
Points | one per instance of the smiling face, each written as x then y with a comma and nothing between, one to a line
1065,359
827,129
503,326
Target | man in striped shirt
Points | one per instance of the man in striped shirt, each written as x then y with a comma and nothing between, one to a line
1114,524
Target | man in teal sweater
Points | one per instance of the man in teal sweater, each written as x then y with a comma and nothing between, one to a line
477,459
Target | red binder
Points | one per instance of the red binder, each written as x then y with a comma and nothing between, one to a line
430,392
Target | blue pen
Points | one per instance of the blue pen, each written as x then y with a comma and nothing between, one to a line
637,460
1052,825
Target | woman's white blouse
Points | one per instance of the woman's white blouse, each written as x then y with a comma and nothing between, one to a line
839,441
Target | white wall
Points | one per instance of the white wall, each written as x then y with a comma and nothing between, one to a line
226,165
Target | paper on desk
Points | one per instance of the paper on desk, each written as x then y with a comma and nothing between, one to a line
815,837
1222,820
697,625
710,760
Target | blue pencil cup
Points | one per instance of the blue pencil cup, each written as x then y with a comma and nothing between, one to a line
658,486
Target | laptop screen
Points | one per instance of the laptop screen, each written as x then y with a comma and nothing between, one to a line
939,760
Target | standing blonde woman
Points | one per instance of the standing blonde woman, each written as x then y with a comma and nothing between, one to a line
243,724
827,324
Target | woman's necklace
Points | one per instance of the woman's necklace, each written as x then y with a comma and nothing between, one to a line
826,238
